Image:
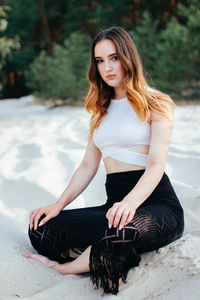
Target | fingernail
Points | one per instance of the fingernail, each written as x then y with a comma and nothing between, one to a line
120,227
40,224
109,225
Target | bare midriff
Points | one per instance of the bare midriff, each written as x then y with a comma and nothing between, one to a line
112,165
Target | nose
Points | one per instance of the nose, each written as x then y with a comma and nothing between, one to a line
107,66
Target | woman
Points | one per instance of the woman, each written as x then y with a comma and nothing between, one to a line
130,129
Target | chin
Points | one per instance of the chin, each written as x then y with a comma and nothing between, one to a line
114,85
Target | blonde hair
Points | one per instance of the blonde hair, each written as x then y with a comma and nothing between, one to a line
140,95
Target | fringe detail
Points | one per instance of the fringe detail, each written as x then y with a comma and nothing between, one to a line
108,266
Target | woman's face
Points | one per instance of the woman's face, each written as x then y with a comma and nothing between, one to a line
108,63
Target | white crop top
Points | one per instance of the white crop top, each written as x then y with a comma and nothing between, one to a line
120,132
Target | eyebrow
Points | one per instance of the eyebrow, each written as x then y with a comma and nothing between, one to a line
108,55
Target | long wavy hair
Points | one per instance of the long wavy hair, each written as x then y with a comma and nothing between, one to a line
140,95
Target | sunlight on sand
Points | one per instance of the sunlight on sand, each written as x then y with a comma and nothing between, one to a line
40,149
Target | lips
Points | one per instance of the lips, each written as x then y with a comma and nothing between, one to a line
110,76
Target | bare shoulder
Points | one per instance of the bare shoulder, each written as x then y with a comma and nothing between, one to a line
161,132
166,104
168,118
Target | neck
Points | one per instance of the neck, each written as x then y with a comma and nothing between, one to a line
119,93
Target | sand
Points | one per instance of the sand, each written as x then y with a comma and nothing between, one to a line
40,149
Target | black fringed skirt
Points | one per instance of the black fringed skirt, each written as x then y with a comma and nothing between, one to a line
158,221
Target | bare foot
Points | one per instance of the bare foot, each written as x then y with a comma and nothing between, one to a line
120,282
50,263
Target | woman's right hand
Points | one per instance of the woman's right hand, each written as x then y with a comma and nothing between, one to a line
50,211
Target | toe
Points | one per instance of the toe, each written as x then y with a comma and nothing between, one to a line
28,255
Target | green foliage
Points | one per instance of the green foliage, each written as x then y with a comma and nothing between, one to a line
114,13
22,16
78,48
80,17
38,24
6,44
147,38
61,75
166,34
171,57
179,53
174,65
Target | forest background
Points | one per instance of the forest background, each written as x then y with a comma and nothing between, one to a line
44,45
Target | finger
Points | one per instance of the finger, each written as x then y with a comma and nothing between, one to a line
111,214
31,217
110,217
115,205
130,217
118,216
107,214
37,217
45,220
31,220
124,218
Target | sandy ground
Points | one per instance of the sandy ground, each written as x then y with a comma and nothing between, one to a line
40,149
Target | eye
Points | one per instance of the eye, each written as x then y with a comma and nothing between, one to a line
114,58
98,61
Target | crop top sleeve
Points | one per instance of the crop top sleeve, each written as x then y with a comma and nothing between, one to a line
120,132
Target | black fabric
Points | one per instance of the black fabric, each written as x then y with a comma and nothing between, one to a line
158,221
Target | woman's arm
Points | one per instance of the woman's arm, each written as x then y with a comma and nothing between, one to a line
160,139
122,212
79,181
82,176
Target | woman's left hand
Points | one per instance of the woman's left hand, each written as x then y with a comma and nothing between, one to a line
120,214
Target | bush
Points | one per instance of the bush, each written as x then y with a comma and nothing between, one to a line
6,44
61,75
147,39
178,65
171,57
